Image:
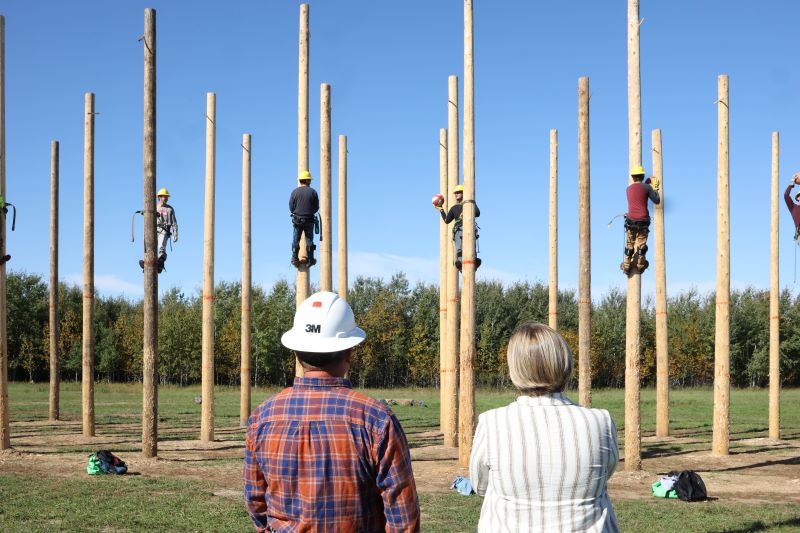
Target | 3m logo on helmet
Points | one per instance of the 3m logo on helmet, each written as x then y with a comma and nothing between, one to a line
313,328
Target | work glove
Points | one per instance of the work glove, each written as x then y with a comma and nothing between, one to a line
655,183
175,237
796,179
439,207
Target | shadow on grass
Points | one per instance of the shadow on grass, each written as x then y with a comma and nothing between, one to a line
760,526
791,461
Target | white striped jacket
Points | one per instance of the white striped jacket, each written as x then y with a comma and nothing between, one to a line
542,464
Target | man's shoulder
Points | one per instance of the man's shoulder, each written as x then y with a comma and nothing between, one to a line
371,407
265,407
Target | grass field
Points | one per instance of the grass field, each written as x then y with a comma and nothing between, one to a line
43,486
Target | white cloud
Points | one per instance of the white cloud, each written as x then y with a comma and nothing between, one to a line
109,285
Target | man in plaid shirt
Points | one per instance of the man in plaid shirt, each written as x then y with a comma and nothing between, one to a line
320,456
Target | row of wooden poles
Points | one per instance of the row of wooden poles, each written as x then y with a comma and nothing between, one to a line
150,303
457,395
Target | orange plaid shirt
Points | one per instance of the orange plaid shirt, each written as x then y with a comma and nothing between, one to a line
322,457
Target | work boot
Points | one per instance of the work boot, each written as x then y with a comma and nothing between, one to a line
162,259
478,263
310,261
141,264
4,259
642,265
295,261
625,266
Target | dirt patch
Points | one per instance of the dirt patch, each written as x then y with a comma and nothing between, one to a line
756,471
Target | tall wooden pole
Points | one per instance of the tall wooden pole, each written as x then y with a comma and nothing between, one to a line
633,438
5,435
774,302
247,271
466,397
87,377
342,217
584,250
150,304
447,374
662,345
54,328
207,377
326,249
450,370
722,373
302,282
88,267
553,293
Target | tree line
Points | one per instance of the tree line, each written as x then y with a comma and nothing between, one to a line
402,325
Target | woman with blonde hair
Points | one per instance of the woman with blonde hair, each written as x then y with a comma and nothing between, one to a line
542,463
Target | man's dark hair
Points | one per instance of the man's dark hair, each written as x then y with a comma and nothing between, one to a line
321,361
637,177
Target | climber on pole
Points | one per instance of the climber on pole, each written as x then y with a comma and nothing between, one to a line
303,206
794,208
637,220
454,214
166,228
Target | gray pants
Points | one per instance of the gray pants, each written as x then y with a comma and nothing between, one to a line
163,238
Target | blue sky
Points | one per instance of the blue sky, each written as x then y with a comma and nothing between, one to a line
388,65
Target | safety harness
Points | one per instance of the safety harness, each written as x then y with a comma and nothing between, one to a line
299,222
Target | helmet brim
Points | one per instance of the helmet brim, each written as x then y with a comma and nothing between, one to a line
300,341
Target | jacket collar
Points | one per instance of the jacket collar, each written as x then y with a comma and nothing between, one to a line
550,400
321,383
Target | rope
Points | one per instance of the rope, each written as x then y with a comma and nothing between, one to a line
610,222
133,222
14,217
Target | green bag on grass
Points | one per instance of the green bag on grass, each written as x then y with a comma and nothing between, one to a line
660,492
93,466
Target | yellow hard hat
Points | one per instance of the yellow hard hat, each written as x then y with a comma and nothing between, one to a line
163,192
458,188
637,170
305,175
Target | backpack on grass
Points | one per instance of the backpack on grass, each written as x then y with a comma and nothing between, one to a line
689,486
105,462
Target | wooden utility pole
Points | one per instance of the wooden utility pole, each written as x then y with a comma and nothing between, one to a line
54,328
302,282
326,249
207,377
5,435
662,345
584,250
150,304
342,217
88,267
633,438
466,397
447,374
553,293
450,370
722,372
774,302
247,283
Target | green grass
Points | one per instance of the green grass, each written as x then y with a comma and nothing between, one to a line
142,503
29,505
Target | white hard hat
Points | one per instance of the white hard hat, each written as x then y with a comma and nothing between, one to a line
324,323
